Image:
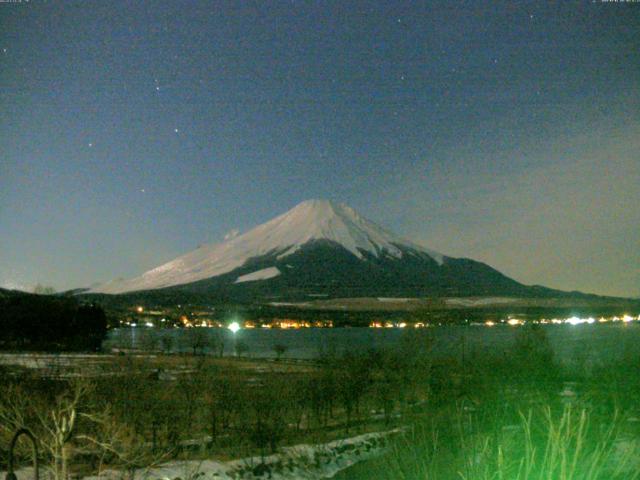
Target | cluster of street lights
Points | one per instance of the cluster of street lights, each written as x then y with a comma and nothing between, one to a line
567,321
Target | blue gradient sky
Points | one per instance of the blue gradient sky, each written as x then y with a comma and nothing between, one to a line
508,132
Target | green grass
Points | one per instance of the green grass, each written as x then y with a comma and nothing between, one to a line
520,417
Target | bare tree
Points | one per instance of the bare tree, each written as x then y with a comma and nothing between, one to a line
196,339
54,425
149,341
279,350
71,425
216,342
166,341
241,347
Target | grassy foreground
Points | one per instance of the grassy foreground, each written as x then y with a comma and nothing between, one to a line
513,415
521,417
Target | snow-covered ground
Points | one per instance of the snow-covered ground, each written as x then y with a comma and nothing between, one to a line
299,462
67,365
51,360
477,302
290,304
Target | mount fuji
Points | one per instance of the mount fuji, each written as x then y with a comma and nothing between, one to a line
325,249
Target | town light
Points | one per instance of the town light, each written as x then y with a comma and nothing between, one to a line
234,327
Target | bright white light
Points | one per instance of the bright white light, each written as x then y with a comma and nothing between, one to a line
234,327
578,321
149,324
574,321
627,318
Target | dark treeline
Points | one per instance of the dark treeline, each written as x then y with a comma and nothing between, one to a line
49,322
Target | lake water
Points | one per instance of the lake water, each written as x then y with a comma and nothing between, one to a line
596,343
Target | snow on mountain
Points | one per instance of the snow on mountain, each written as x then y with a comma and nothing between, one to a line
263,274
310,220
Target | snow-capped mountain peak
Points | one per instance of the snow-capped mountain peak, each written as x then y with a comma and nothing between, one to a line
284,235
325,220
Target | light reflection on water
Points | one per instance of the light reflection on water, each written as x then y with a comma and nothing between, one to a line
571,343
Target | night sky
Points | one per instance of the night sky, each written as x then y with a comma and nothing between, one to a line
132,132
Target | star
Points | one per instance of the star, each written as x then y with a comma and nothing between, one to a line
142,190
4,50
157,89
90,144
176,130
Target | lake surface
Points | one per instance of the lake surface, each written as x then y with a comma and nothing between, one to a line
591,344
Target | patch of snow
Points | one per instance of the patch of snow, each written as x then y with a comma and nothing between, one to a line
393,299
282,236
232,234
297,462
289,304
474,302
263,274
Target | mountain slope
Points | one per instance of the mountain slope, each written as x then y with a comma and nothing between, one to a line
324,268
284,235
321,249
